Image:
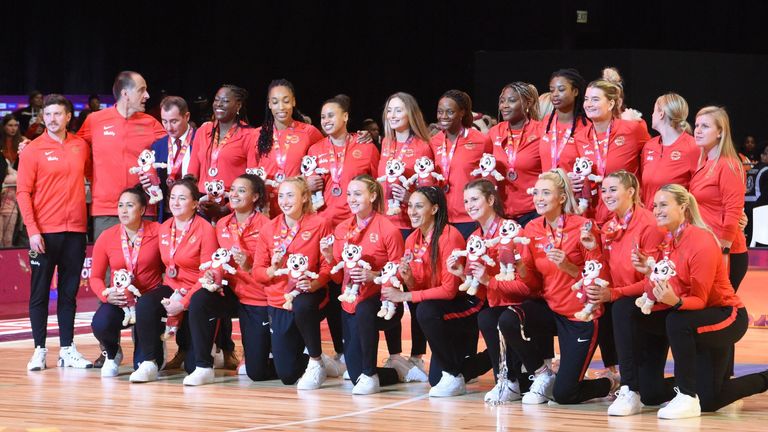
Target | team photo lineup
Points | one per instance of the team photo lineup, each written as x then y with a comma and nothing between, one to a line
560,218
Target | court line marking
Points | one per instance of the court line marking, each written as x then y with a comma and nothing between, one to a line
335,417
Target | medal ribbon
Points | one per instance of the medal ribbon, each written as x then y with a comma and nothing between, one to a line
337,166
131,255
556,240
556,148
601,153
286,236
613,229
513,146
668,245
237,229
280,156
447,157
220,145
176,243
354,233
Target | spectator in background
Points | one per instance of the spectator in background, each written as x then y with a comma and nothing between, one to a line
10,138
748,152
757,189
94,104
372,127
32,113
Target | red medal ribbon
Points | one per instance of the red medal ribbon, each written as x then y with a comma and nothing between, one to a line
131,255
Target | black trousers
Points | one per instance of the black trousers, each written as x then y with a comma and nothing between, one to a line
67,251
451,338
106,325
150,326
577,341
255,331
294,330
361,340
206,311
605,338
333,316
739,263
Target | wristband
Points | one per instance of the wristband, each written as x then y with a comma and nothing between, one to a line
679,304
726,250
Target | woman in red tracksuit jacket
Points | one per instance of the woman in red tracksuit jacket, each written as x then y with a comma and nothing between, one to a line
552,263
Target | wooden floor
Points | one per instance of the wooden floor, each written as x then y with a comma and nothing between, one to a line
80,400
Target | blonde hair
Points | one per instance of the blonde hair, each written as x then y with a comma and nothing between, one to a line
675,110
415,117
301,184
529,98
725,148
612,75
612,91
684,198
373,187
628,180
545,105
564,187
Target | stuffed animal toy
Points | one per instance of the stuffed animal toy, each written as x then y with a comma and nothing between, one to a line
425,174
148,166
295,267
388,278
661,274
219,265
215,192
394,174
122,282
309,167
262,174
351,257
172,322
476,251
590,275
487,168
510,233
582,168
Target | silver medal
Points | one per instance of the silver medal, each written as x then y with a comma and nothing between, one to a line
511,175
213,171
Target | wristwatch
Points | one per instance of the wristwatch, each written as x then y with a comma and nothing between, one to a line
726,250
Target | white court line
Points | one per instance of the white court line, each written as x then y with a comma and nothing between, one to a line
351,414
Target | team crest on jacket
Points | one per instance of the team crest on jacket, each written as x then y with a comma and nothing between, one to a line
291,139
374,237
675,155
357,153
619,140
469,145
306,235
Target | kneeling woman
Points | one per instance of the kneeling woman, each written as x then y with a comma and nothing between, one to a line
130,245
375,240
444,314
553,261
706,316
186,240
296,323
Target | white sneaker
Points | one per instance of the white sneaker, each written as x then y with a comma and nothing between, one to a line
448,386
70,357
541,389
110,368
37,362
682,406
199,376
334,368
627,403
146,372
417,372
510,393
118,357
400,364
346,375
314,376
241,369
366,385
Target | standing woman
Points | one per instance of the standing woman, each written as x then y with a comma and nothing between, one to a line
672,157
131,245
559,128
631,229
10,138
406,138
611,143
719,188
381,243
345,157
239,232
439,311
186,241
458,148
516,148
706,316
297,230
283,138
224,148
553,261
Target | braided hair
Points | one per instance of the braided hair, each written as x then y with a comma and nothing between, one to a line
268,127
436,196
577,81
464,102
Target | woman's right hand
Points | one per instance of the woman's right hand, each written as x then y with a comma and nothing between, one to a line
116,298
326,248
577,182
454,267
399,192
640,262
315,183
588,239
406,274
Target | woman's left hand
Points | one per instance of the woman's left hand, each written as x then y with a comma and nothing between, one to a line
743,220
598,294
315,183
480,272
364,136
304,284
361,275
172,307
665,294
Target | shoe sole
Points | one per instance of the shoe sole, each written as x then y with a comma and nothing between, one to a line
60,363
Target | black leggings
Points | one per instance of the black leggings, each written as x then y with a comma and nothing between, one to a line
361,340
333,316
149,325
254,328
739,263
451,339
65,250
206,310
577,341
294,330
